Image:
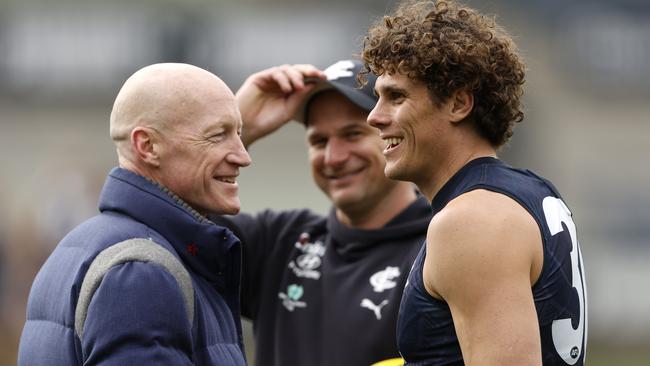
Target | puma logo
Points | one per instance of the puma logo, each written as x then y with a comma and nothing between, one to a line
365,303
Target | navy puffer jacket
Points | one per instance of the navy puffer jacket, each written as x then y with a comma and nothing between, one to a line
137,315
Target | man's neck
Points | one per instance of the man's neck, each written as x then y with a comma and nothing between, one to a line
377,214
439,178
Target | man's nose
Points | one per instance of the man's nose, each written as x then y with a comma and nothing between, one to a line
336,152
240,156
378,118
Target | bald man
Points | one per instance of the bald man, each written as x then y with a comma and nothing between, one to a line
150,280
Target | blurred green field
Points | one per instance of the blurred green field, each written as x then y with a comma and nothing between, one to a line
602,355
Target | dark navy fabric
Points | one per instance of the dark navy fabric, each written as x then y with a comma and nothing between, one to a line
321,293
426,334
137,314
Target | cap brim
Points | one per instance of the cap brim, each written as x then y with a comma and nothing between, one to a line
355,95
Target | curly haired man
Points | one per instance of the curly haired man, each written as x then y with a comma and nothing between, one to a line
500,279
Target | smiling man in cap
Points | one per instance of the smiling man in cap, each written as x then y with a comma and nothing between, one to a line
325,290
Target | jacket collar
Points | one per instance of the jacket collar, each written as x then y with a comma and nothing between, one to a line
206,248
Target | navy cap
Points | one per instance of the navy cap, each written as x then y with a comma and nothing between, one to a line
342,77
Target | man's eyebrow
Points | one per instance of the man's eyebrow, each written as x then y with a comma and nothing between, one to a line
208,132
218,127
353,126
389,88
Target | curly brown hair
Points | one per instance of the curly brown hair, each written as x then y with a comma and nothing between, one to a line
451,47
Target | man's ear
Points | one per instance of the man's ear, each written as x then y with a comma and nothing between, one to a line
146,145
461,105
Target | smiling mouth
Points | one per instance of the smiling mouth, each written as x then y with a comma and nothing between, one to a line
229,180
392,142
343,176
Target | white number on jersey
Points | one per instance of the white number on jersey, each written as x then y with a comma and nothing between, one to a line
568,341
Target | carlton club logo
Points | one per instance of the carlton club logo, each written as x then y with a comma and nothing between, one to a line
384,279
381,281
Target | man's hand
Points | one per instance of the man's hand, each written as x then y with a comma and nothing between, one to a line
268,99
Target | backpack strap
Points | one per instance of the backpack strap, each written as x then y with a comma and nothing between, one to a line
132,250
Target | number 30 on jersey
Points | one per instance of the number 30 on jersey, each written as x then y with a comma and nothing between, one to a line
569,342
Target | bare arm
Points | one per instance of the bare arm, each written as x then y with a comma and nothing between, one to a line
268,99
484,253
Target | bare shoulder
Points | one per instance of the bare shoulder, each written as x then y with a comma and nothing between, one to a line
478,239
